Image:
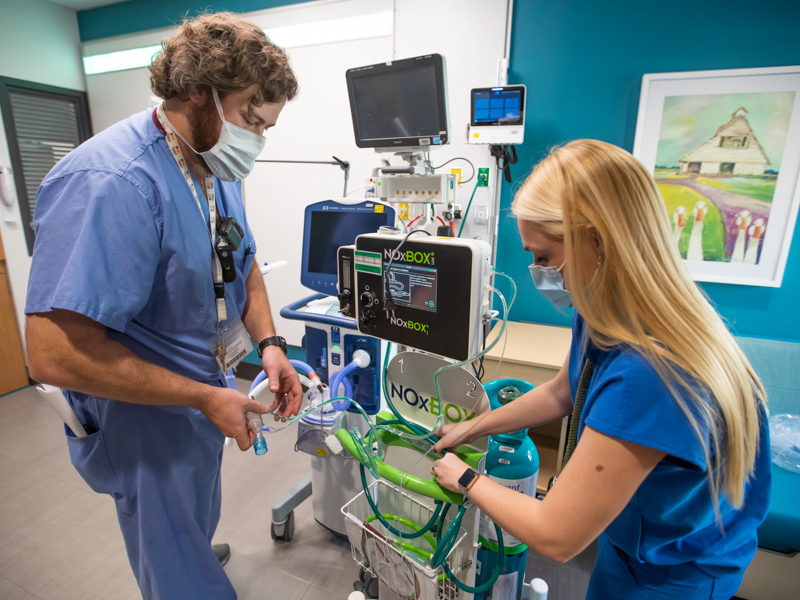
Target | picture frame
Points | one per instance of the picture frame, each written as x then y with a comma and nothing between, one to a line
724,148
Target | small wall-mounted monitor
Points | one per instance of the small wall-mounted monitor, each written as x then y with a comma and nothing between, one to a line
400,104
497,115
329,225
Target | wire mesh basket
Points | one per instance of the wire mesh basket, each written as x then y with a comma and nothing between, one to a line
402,564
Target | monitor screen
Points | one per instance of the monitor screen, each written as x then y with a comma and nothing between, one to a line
332,229
411,286
498,106
400,103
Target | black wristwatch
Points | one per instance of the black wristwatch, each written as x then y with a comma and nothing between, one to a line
275,340
467,480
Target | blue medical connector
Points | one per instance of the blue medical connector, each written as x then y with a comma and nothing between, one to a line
255,425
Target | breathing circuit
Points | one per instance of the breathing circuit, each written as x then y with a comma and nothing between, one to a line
445,539
366,451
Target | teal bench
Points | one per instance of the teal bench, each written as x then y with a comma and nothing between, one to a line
778,365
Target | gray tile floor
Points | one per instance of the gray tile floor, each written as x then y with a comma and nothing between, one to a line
60,541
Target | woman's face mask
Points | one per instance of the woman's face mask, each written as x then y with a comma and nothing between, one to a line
550,283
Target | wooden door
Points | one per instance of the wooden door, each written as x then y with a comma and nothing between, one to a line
13,375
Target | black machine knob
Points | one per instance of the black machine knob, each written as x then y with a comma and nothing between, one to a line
367,319
344,296
367,298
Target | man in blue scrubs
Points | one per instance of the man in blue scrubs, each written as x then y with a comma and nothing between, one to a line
128,305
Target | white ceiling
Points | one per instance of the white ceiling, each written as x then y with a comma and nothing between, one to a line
84,4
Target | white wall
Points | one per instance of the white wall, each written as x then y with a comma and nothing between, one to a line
39,42
470,34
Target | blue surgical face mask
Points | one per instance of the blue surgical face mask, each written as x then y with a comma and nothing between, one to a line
234,155
548,280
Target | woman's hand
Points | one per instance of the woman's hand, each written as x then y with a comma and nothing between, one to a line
448,470
454,435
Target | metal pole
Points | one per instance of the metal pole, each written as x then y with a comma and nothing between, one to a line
337,162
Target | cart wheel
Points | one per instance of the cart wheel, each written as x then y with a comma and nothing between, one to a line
371,589
283,532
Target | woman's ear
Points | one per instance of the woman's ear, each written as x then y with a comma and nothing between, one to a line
596,239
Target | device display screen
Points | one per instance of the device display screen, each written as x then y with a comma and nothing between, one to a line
332,229
411,286
400,104
497,106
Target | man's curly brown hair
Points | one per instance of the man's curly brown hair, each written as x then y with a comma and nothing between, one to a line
224,51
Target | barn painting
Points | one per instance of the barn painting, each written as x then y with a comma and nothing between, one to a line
717,164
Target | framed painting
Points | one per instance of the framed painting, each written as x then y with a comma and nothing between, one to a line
724,149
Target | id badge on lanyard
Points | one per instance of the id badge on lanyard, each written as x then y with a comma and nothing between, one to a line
231,343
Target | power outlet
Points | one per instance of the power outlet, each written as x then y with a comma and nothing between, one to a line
481,214
483,177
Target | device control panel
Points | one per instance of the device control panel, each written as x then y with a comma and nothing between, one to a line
431,298
347,281
415,189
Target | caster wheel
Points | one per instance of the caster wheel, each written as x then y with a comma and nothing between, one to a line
283,532
371,589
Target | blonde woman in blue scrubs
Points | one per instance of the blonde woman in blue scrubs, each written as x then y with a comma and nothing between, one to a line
671,469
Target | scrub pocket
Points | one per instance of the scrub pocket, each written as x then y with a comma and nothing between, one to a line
90,458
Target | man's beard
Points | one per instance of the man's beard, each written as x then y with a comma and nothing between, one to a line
204,128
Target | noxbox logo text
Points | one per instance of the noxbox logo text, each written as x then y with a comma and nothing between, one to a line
413,325
409,256
452,412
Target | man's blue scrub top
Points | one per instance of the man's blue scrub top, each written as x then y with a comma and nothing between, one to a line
120,239
670,519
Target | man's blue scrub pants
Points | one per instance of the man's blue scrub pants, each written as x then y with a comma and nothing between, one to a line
162,466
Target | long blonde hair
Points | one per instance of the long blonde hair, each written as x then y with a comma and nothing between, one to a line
643,296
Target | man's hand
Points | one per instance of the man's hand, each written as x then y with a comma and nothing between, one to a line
283,382
226,409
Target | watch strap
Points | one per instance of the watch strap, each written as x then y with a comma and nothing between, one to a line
274,340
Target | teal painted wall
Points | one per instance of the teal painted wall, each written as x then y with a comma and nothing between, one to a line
140,15
583,61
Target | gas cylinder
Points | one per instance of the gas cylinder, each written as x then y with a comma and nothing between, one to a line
513,462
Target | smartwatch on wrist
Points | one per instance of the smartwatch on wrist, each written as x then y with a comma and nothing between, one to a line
275,340
467,480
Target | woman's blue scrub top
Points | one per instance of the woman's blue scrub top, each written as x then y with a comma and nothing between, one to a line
670,519
120,239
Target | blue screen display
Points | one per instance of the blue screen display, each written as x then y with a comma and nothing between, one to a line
332,229
497,106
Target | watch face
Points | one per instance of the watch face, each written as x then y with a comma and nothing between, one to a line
467,478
